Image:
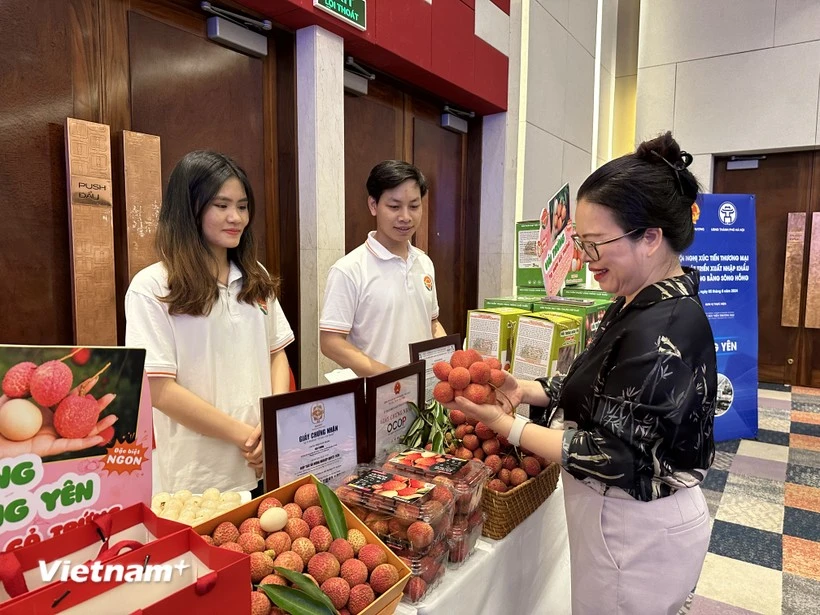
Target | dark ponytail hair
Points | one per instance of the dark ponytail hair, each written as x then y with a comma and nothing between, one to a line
650,188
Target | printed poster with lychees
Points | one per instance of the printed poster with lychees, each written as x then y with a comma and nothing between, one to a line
554,246
75,438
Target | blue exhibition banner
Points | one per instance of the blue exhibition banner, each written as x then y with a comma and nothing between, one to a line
724,251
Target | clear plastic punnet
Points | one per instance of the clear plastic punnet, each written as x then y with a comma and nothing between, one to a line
465,477
463,535
405,512
425,570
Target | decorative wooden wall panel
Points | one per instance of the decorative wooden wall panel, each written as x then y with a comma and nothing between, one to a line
91,232
793,281
143,197
812,320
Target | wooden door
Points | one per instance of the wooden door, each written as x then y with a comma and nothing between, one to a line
782,184
393,123
810,343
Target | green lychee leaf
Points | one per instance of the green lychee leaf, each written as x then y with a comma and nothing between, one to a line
334,513
294,601
306,585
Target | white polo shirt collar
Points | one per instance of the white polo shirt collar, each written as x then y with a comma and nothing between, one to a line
379,251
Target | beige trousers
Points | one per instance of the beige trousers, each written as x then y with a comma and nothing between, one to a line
631,557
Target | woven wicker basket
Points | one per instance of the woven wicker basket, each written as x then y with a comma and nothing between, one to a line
505,511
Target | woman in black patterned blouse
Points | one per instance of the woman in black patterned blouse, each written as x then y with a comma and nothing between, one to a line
631,422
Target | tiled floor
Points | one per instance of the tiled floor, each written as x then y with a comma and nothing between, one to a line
764,499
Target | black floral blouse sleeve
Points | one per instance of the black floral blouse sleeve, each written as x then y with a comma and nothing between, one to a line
638,404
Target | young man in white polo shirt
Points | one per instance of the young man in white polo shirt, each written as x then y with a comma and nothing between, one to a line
381,296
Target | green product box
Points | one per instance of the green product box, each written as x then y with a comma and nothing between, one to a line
589,311
575,278
536,292
546,343
521,303
528,263
491,332
586,293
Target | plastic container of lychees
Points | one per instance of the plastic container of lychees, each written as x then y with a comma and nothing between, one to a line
425,570
463,535
464,477
405,512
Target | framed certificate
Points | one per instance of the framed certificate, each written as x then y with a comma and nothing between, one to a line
388,414
321,431
431,352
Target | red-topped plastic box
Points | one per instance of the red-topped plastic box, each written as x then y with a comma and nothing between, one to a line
465,477
405,512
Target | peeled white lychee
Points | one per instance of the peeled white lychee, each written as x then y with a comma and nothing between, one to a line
273,519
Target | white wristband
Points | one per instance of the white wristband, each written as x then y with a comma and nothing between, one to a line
517,428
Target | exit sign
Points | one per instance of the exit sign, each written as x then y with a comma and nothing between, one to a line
352,12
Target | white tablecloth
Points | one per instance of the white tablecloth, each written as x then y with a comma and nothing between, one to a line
525,573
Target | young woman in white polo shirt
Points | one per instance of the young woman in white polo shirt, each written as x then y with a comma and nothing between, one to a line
214,332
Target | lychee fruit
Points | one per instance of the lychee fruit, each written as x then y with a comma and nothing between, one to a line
491,446
518,476
207,539
463,430
290,560
415,589
338,590
297,528
493,363
232,546
420,535
314,516
323,566
497,377
477,393
80,356
463,453
306,496
460,358
342,549
267,503
76,416
17,380
457,417
261,566
441,370
470,441
50,383
354,572
483,432
497,485
478,453
274,579
531,466
356,539
372,555
441,494
384,577
278,541
361,596
294,510
473,355
251,542
251,524
443,392
493,462
260,605
321,538
225,532
509,462
480,372
504,475
459,378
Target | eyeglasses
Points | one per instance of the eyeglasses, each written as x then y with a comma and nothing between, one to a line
590,248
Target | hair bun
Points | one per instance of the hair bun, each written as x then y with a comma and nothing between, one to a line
665,147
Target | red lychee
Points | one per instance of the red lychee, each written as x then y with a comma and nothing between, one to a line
354,572
491,447
504,476
17,380
477,393
290,560
304,548
314,516
457,417
384,577
531,466
442,370
518,476
497,377
443,392
251,524
473,355
463,453
493,363
267,503
463,430
293,510
342,550
493,462
306,496
321,538
225,532
371,555
76,416
460,358
50,383
459,378
420,535
483,432
479,372
338,590
262,566
274,579
251,542
478,454
497,485
279,542
81,356
361,596
470,442
260,605
323,566
415,589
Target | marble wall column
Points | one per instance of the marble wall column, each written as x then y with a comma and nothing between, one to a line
320,125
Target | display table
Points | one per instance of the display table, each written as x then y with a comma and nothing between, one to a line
526,572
